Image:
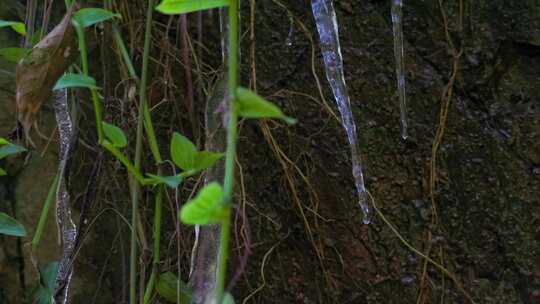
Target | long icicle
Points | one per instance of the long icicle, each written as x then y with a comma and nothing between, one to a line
325,18
397,24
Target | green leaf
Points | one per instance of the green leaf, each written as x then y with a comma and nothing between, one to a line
206,208
115,135
183,152
10,149
166,287
16,26
69,80
175,7
89,16
251,105
36,36
227,299
205,159
3,141
13,54
171,181
3,172
10,226
47,284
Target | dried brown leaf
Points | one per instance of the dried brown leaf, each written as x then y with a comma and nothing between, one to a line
42,67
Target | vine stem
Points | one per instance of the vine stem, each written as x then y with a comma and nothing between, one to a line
44,215
228,183
84,62
144,121
138,153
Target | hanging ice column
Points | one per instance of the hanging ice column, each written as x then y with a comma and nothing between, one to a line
397,22
325,18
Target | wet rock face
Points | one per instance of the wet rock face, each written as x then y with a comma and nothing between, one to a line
487,203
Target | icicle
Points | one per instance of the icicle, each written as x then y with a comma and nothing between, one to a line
290,36
325,18
397,16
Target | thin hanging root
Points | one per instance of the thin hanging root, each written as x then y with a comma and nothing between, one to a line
244,229
280,155
252,47
285,163
186,59
446,99
263,264
418,252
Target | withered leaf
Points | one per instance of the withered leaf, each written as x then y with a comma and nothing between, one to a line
39,70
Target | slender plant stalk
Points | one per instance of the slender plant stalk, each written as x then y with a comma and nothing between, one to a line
133,169
152,139
154,147
95,97
157,237
98,112
138,156
230,156
44,214
123,51
144,121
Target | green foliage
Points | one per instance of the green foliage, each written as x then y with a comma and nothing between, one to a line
205,159
8,149
47,283
18,27
10,226
206,208
166,288
186,156
251,105
70,80
183,152
89,16
228,299
13,54
36,36
174,7
172,181
115,135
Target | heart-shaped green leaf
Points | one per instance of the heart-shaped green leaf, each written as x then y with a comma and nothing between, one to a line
206,208
206,159
183,152
171,181
115,135
75,81
13,54
89,16
18,27
251,105
3,141
10,149
166,287
175,7
10,226
3,172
